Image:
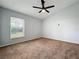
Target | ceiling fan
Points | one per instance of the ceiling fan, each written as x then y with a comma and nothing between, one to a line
43,8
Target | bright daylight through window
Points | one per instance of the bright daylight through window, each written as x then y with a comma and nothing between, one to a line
16,27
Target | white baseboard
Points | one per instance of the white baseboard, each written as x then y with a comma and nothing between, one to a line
18,42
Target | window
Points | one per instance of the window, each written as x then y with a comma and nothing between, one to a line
16,27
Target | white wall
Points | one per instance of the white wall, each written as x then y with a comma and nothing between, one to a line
0,25
33,27
69,25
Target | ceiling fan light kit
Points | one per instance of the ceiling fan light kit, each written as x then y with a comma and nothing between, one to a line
43,8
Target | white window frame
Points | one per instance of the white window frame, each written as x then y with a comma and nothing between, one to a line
23,28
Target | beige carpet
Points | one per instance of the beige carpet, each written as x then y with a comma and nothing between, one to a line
40,49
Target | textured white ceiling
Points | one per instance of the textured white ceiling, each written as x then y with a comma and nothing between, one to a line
25,6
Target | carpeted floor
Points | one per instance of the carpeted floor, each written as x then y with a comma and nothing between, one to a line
41,49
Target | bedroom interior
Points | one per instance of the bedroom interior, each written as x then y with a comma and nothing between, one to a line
39,29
